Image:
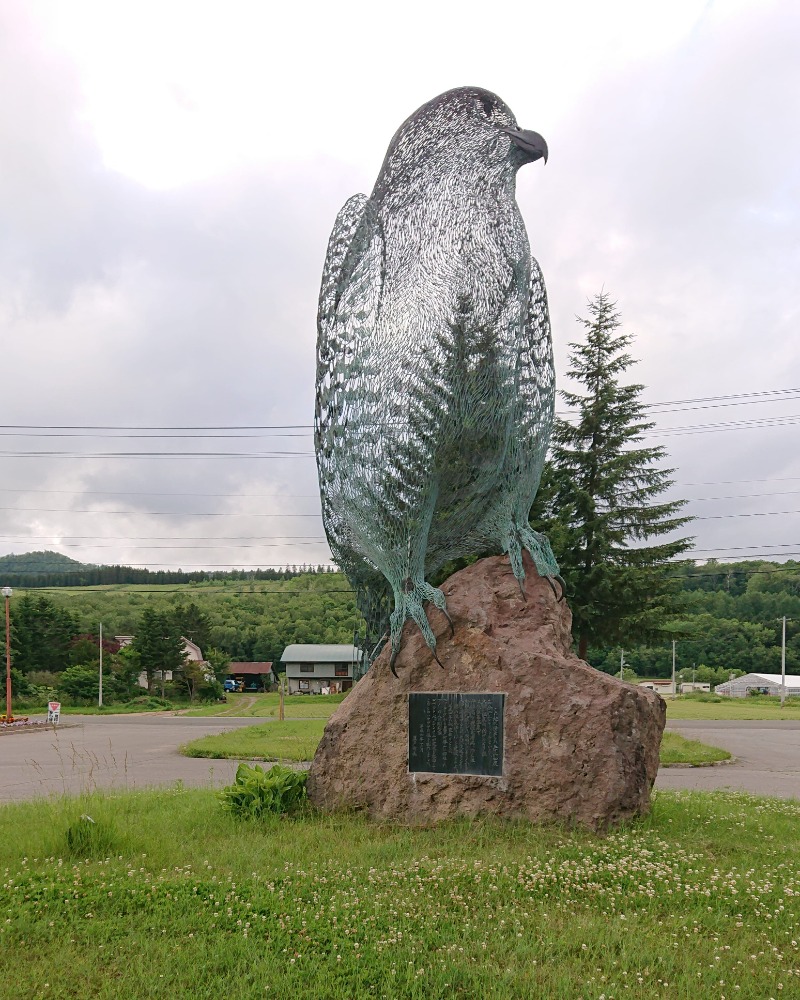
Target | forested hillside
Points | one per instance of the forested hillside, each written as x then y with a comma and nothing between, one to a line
728,617
52,569
252,620
729,620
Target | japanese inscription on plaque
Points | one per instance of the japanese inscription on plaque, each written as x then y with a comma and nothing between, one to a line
455,733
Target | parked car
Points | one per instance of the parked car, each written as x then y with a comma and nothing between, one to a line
229,684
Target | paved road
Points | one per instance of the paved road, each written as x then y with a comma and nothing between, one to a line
767,757
136,751
124,751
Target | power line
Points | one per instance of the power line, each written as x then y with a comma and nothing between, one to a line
762,423
156,454
173,548
148,513
315,496
187,588
169,566
769,556
740,482
763,513
744,397
254,435
164,538
741,399
742,548
154,493
744,496
135,427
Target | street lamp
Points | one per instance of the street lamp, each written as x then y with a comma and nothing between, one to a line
7,593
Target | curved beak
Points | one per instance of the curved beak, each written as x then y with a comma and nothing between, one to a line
531,143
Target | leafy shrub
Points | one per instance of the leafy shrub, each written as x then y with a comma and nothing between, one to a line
78,683
256,792
88,838
148,702
19,683
44,679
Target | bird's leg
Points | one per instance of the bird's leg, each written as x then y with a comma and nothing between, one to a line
437,598
523,536
514,548
409,600
396,621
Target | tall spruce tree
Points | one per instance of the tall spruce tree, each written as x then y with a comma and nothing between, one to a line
159,645
598,498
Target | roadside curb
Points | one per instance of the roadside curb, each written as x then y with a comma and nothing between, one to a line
707,763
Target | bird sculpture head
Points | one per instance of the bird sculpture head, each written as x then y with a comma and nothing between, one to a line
462,130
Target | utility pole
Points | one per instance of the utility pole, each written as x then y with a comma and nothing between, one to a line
783,659
100,682
9,717
674,689
621,664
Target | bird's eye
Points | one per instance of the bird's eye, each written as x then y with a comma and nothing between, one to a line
488,107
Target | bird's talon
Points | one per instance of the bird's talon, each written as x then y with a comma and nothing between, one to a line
450,623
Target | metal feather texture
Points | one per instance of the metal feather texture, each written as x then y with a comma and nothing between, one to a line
435,380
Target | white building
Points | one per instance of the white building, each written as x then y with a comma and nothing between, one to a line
191,652
740,687
313,668
659,686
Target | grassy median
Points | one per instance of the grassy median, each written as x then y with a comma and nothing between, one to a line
294,740
266,706
298,740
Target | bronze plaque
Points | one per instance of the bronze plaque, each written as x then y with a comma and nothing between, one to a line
454,733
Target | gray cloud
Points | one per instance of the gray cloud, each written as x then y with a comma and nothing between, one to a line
673,183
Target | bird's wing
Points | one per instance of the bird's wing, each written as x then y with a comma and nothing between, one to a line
349,306
344,230
537,386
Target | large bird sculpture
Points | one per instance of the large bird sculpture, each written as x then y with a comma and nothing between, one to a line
435,380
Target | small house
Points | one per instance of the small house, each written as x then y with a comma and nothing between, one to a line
255,675
688,687
325,668
660,687
191,653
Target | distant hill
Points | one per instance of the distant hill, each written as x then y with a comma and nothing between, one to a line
40,562
52,569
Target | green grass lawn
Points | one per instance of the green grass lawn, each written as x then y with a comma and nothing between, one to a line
688,707
297,741
294,739
261,706
172,897
676,749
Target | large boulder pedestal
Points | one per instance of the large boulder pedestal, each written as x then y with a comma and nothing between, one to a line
578,745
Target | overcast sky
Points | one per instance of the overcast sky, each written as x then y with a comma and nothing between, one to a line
170,172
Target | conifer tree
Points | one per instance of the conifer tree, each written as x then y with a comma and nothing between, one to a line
159,645
598,499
